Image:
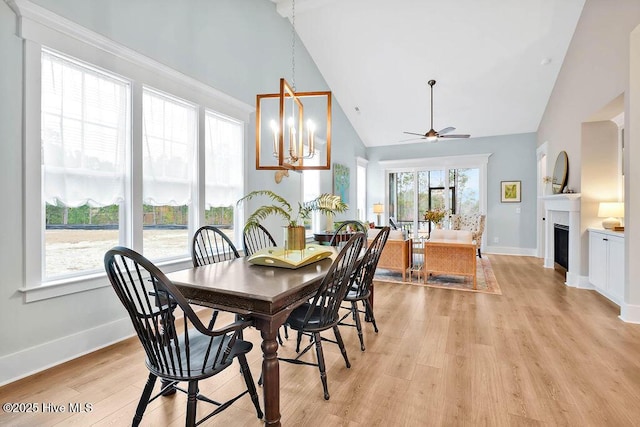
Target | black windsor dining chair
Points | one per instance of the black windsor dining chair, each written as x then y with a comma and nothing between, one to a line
321,312
360,287
255,238
210,245
343,232
178,347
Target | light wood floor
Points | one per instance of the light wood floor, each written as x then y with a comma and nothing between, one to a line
540,354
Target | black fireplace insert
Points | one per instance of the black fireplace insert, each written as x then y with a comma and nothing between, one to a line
561,245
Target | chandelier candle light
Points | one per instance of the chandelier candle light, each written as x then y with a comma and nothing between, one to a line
294,137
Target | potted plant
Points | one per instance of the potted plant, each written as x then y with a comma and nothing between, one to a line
327,204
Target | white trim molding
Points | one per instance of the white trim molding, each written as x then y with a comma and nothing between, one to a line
509,250
630,313
38,358
42,26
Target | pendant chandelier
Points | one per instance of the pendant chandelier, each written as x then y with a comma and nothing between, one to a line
293,129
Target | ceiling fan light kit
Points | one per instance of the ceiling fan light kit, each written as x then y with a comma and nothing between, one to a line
432,135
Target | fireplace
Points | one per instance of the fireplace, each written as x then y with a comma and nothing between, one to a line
564,209
561,245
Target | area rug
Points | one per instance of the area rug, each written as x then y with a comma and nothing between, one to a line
485,280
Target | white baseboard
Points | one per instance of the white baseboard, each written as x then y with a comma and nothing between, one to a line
576,281
507,250
630,313
582,282
38,358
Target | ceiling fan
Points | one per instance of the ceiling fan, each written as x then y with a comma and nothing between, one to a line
432,135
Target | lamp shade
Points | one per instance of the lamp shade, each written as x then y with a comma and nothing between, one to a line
611,211
378,208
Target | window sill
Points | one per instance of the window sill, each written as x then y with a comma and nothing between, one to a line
72,285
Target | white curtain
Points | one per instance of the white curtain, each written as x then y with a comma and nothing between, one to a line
169,141
223,161
84,133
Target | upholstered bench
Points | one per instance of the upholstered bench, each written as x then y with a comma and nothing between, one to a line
450,252
397,252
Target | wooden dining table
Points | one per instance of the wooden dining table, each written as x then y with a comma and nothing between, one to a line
263,293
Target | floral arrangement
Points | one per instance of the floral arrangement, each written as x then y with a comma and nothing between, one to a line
435,215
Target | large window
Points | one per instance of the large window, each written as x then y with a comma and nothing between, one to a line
121,154
168,158
454,184
85,137
361,192
224,173
311,190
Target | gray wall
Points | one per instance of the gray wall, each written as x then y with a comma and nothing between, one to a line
513,158
595,72
238,47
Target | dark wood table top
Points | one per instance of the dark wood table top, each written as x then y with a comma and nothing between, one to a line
242,287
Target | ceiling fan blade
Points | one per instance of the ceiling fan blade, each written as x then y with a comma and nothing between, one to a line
454,136
413,133
411,139
446,130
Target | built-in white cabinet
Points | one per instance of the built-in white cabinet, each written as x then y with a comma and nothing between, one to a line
606,263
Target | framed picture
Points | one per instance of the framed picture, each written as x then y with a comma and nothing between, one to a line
510,191
341,181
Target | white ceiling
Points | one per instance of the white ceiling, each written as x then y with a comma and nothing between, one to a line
487,56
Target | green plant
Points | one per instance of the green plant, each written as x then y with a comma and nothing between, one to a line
326,204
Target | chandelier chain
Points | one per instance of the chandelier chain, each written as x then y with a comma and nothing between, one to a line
293,44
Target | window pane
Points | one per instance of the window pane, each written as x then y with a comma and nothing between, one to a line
77,238
311,183
84,131
224,173
361,196
169,141
468,191
405,210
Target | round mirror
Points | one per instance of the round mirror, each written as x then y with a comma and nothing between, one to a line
560,172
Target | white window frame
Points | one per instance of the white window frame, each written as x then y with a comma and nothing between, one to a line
361,189
38,27
475,161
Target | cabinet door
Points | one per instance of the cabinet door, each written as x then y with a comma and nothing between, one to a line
615,278
598,260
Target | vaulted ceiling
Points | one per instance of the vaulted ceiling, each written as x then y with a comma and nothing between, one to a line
495,61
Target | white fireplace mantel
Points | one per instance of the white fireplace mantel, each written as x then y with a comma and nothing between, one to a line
555,206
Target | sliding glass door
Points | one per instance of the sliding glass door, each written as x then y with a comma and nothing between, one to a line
413,192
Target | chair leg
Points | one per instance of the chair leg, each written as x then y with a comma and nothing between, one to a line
298,339
144,399
343,350
192,394
321,365
356,317
479,254
369,310
248,379
214,316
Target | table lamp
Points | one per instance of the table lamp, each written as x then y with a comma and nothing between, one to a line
378,208
611,211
